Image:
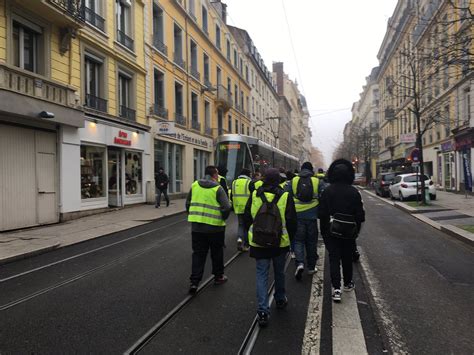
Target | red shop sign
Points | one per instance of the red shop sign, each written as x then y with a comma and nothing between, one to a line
122,139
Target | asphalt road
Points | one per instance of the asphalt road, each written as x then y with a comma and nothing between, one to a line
103,295
421,281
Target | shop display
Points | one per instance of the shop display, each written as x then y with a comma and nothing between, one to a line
92,172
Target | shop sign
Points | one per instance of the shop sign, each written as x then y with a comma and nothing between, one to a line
447,146
467,170
122,138
408,138
191,138
165,128
463,143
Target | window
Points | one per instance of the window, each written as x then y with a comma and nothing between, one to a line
228,49
124,25
192,9
242,129
195,112
205,23
207,116
26,46
178,104
159,83
94,83
218,37
248,131
467,106
158,29
247,73
236,63
229,124
207,80
133,173
447,119
236,126
92,172
219,76
92,14
194,60
178,46
125,96
236,98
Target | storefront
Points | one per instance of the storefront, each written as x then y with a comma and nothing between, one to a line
446,166
108,165
183,155
463,147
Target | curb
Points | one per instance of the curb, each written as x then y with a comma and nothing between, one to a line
448,229
56,246
30,253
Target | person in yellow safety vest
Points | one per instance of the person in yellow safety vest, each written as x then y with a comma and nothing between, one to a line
208,207
222,171
240,194
257,181
264,256
305,191
320,174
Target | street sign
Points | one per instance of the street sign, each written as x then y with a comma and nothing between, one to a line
415,155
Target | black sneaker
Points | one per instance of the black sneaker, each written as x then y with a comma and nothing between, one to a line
282,303
193,289
349,287
219,280
355,256
167,203
262,319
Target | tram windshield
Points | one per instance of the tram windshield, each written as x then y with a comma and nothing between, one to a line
234,156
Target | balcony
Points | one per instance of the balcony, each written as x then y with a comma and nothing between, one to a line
160,111
180,119
96,103
195,73
224,98
65,13
94,19
179,61
158,44
127,113
207,83
389,113
195,125
124,39
30,84
389,141
208,131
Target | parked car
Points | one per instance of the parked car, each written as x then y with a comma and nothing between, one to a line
382,183
405,186
359,179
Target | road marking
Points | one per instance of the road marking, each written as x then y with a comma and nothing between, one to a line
395,339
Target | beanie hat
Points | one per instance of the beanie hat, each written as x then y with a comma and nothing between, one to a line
272,177
307,166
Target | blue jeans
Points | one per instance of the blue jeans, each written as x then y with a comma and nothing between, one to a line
306,238
263,267
242,233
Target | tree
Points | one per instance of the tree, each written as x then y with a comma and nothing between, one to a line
317,158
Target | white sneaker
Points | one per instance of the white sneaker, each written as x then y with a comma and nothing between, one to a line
313,271
239,244
299,271
292,255
336,295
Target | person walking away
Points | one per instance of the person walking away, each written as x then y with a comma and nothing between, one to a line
208,207
305,191
222,171
240,195
341,213
161,184
270,216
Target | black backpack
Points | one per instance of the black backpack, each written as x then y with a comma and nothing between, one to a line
304,189
267,225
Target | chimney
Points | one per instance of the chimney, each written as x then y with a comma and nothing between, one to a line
278,70
221,9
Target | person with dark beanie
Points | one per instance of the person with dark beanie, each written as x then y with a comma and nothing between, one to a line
266,255
340,197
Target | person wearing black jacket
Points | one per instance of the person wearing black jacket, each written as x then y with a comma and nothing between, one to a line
267,255
161,184
340,197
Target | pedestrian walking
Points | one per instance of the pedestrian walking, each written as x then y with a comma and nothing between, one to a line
305,192
240,194
208,207
341,212
161,184
271,218
222,171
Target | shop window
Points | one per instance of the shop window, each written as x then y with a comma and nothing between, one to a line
92,172
133,173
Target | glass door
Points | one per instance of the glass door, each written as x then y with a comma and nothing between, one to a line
115,177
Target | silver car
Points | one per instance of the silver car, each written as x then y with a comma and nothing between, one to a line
405,186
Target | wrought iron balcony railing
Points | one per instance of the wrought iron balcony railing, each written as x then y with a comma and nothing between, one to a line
160,111
195,73
195,125
127,113
179,61
74,8
125,39
96,103
180,119
94,18
158,44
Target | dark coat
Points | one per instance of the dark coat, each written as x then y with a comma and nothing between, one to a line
161,181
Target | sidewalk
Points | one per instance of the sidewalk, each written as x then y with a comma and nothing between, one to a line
451,213
23,243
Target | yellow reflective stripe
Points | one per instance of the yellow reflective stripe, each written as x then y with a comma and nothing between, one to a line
203,205
204,214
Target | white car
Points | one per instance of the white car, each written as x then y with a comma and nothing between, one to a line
405,186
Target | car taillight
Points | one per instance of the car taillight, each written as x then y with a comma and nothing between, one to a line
404,186
431,183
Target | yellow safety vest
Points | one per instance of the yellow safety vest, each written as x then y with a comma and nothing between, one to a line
258,184
257,203
240,194
320,175
304,206
204,207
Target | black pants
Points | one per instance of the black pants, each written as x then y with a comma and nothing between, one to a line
340,250
202,242
158,196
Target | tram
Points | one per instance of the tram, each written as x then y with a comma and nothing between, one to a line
235,152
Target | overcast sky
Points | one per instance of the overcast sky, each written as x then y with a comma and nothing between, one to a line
336,45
